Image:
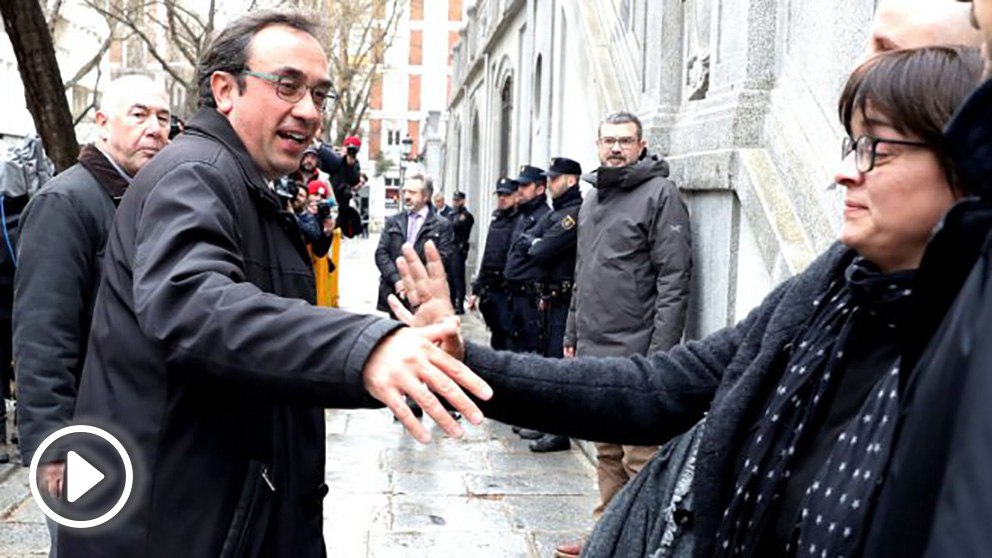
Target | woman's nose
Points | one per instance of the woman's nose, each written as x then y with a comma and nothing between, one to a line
847,172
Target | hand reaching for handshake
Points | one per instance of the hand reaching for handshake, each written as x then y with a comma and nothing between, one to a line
424,360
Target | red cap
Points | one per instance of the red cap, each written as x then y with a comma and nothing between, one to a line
352,141
318,188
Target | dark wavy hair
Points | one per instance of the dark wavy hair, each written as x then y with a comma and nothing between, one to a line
228,52
918,90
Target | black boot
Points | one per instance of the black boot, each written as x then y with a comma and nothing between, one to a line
528,434
550,442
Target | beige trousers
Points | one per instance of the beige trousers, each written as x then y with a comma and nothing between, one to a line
615,466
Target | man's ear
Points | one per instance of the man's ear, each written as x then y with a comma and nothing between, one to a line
224,87
101,119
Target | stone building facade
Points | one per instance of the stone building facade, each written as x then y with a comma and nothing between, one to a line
739,95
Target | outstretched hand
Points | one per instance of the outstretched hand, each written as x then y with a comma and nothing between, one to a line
409,362
427,291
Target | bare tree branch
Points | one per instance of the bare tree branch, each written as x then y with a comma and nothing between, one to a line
94,103
93,62
126,20
52,17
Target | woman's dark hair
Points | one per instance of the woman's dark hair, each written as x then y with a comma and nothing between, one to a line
918,90
228,52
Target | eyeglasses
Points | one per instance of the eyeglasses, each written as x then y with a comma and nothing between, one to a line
294,88
864,149
625,142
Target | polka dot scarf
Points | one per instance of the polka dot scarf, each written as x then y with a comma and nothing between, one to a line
835,506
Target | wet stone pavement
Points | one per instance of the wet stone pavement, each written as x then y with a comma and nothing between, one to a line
390,496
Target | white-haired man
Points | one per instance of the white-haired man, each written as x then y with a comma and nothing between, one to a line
63,234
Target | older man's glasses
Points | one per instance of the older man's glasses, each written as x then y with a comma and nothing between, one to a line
294,88
864,149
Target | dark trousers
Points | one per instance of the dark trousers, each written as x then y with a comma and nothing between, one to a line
557,317
494,306
526,335
456,278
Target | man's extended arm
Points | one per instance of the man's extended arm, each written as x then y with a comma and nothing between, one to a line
232,330
340,170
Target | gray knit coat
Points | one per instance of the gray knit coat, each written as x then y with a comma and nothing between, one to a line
646,400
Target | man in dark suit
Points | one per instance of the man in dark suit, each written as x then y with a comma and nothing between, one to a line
443,209
416,224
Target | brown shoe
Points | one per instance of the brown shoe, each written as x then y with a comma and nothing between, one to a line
569,550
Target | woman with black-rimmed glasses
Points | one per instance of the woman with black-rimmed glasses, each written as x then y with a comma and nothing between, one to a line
801,398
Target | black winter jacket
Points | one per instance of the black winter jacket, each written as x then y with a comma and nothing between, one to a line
646,400
552,242
62,239
434,228
462,222
519,266
937,497
210,362
494,253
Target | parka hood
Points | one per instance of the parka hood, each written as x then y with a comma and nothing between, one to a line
629,177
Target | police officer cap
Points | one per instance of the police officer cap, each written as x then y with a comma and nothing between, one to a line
458,196
530,174
564,165
506,186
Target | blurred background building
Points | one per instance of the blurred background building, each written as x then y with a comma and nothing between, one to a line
739,95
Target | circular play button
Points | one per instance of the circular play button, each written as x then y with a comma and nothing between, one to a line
85,472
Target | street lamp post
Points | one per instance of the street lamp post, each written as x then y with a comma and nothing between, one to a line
407,143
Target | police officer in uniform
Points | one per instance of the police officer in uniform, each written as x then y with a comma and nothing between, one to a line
551,245
521,272
489,288
461,222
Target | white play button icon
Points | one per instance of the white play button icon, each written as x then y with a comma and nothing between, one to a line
80,476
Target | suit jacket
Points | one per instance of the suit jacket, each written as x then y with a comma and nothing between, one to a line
435,228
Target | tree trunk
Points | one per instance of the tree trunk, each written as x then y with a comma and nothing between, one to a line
43,88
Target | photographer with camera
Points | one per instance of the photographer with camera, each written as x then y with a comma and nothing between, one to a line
345,174
319,218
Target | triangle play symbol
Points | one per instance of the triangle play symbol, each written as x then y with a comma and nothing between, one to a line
80,476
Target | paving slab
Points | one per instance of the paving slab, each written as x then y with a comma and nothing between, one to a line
445,544
550,483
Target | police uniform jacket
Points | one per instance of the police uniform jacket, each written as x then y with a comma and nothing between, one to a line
497,245
553,240
519,265
461,223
